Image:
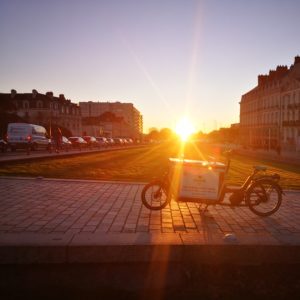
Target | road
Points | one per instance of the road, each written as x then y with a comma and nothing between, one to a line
23,155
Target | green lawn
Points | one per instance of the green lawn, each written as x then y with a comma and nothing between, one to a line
142,164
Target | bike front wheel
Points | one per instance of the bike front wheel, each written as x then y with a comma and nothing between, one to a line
264,197
155,195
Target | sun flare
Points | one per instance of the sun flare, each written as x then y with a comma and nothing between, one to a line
184,128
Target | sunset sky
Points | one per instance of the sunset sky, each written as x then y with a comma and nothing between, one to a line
168,57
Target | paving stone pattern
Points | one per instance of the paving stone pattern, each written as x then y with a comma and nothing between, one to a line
70,206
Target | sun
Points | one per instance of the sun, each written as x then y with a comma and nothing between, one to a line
184,128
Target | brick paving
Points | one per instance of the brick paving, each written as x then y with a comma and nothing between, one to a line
45,206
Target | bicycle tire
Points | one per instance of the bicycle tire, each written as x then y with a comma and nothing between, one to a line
264,197
155,195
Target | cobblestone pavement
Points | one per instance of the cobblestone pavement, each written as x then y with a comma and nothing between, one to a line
70,206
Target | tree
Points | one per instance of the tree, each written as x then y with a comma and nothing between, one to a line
166,134
225,135
152,129
153,135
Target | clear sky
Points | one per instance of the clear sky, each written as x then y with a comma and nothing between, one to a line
168,57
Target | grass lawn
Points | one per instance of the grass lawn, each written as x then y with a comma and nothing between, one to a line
142,164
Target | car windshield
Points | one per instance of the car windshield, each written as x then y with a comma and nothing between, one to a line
17,130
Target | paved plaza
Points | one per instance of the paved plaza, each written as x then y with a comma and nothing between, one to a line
73,206
52,212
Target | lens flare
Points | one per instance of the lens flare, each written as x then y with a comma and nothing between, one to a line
184,128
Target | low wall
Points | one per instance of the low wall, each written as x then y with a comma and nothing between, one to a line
150,281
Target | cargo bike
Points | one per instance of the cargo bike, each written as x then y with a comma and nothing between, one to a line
203,182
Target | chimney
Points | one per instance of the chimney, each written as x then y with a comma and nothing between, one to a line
272,74
262,79
297,60
49,94
13,93
62,97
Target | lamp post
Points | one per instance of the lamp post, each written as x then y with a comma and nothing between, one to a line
50,121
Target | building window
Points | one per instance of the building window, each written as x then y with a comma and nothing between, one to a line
25,104
39,104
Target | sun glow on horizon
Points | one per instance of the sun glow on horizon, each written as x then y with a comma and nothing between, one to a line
184,128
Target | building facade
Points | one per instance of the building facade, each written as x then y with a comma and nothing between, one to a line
270,113
45,110
112,119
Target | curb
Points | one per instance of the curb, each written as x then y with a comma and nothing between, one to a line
145,248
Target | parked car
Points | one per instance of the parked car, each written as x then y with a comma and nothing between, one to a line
118,141
65,143
129,140
91,141
102,141
124,142
78,142
3,145
27,136
110,141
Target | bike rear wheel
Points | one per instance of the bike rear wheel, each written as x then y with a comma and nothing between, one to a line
264,197
155,195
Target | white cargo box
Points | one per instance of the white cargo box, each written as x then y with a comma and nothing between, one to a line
200,180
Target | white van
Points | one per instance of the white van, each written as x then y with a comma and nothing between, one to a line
23,135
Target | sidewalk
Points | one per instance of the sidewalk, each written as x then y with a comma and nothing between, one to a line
74,221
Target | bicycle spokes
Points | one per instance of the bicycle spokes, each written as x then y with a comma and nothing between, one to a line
154,196
264,198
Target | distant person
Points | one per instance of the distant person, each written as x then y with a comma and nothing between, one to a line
58,140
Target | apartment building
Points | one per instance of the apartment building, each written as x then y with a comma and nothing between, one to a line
111,119
43,109
270,112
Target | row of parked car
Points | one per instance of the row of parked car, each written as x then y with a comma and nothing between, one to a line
34,137
96,142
